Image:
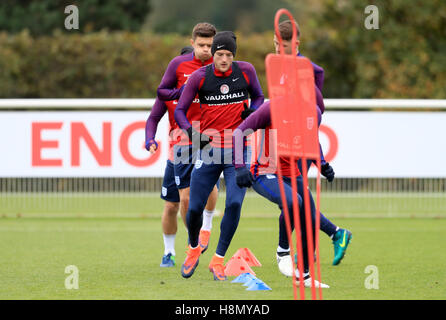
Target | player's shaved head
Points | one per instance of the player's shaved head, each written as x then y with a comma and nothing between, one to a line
286,30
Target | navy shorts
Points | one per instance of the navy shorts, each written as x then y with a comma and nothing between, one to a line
169,191
184,162
183,165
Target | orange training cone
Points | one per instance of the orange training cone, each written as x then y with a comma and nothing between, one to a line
248,256
236,266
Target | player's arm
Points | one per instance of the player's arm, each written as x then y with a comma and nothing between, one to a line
167,89
326,169
258,120
318,76
158,111
187,97
319,101
191,89
254,88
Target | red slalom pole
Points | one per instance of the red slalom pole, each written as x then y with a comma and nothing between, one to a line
291,86
297,225
309,228
289,234
318,222
276,29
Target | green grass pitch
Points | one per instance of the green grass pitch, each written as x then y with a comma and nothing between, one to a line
118,256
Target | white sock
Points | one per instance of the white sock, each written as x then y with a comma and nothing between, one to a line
169,243
207,220
280,249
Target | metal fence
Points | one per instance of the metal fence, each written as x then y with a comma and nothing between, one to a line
361,197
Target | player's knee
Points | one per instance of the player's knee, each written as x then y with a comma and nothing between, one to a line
196,207
289,204
172,207
233,206
185,200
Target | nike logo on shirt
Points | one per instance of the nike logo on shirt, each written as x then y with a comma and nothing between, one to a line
234,80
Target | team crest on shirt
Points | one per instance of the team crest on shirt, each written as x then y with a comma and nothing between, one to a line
224,88
198,164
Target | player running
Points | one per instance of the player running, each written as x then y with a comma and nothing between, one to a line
169,191
170,88
264,180
223,88
340,237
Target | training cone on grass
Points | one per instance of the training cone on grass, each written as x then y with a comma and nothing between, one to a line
237,266
243,278
258,285
248,256
251,281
